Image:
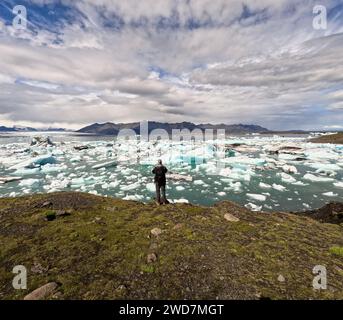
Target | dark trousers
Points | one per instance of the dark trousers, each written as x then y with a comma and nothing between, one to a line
160,189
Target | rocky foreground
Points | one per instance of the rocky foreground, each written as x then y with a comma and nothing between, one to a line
80,246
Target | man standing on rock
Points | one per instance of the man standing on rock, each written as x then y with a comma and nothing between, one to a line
160,182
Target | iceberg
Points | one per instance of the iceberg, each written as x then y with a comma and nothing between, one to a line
289,169
29,183
313,178
286,178
253,207
130,187
265,185
133,198
338,184
181,201
105,165
278,187
151,187
330,194
34,162
258,197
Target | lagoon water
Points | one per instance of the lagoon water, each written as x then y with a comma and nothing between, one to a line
260,172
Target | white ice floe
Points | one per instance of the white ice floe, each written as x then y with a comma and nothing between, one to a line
29,182
36,161
181,201
285,177
130,187
313,178
278,187
338,184
180,188
135,197
221,194
151,187
106,164
253,207
264,185
330,194
289,169
258,197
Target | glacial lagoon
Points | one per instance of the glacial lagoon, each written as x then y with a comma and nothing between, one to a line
269,173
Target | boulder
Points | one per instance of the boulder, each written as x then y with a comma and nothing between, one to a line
230,217
156,232
43,292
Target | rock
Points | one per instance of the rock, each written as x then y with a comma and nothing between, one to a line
62,213
230,217
80,148
156,232
42,292
38,268
46,204
281,278
151,258
178,226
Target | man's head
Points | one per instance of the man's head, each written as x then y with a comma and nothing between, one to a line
159,162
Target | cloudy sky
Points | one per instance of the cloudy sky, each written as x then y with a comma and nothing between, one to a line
219,61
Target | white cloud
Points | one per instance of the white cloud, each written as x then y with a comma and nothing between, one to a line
200,61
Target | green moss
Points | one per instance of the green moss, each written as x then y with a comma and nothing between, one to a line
100,250
337,251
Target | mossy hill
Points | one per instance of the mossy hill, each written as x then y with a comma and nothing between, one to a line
103,248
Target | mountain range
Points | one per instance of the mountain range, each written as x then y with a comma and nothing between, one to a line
110,128
28,129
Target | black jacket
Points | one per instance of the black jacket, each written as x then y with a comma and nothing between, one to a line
160,174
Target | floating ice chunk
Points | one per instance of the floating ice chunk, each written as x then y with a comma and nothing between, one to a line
48,168
29,182
278,187
135,197
338,184
199,182
253,207
37,161
75,159
258,197
324,166
179,177
221,194
181,201
306,205
180,188
264,185
113,184
330,194
105,165
130,187
4,180
313,178
26,172
289,169
151,187
300,183
286,177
